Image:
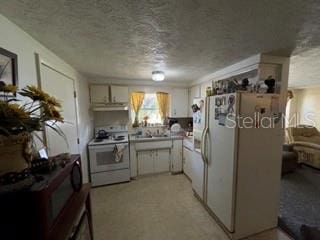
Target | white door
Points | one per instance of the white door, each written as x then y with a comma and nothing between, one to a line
161,160
145,162
221,162
99,93
187,157
61,87
119,94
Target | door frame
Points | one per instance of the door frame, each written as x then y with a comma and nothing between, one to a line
41,62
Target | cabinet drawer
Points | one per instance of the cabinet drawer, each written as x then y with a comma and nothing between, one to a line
153,145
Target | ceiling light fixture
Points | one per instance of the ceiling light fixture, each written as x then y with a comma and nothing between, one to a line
157,76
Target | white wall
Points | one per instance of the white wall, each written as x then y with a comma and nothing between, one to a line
111,117
306,105
16,40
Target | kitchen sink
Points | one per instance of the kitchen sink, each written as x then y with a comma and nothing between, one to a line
160,135
151,136
143,136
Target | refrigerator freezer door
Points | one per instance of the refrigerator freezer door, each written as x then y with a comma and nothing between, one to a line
221,167
259,164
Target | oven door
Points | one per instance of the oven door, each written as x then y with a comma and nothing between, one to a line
103,159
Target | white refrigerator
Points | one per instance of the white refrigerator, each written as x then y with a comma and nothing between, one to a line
241,149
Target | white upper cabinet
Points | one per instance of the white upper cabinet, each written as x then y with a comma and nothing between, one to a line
179,102
119,94
99,93
194,92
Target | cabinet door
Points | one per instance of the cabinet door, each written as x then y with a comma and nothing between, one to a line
179,102
119,94
145,162
176,156
197,177
99,93
194,92
133,161
187,158
162,160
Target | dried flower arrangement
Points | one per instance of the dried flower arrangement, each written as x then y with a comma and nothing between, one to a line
19,122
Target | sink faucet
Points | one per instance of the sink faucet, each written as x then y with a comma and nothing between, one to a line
148,133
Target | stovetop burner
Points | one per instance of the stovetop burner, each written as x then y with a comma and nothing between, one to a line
112,134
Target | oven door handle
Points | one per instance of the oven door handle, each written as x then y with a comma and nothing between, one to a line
109,147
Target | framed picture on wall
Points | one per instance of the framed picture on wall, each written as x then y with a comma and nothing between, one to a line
8,67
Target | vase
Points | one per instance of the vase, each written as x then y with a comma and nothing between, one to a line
15,154
136,122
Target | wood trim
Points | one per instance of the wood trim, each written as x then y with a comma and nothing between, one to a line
14,58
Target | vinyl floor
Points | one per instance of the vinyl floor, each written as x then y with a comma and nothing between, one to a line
158,207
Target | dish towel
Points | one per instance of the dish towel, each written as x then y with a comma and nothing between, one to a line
118,151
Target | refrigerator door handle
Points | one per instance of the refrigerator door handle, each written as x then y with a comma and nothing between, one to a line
202,145
205,145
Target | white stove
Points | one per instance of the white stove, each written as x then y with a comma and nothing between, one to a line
105,166
110,135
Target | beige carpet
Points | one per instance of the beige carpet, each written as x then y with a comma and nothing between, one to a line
160,207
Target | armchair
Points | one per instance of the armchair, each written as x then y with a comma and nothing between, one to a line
306,141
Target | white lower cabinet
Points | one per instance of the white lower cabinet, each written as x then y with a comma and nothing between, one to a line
176,156
145,162
156,157
162,160
153,161
187,161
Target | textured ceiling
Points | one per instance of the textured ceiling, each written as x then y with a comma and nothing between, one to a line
185,38
305,69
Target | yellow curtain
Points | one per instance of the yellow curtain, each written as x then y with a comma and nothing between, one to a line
163,102
136,103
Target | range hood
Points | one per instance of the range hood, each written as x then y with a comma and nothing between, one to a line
109,107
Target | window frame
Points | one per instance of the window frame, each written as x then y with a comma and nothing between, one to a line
157,109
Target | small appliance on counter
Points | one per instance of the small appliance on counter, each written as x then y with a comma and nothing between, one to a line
175,128
109,155
186,124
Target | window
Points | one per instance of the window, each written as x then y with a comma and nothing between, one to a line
149,108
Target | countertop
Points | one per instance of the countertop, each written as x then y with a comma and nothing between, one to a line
133,139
